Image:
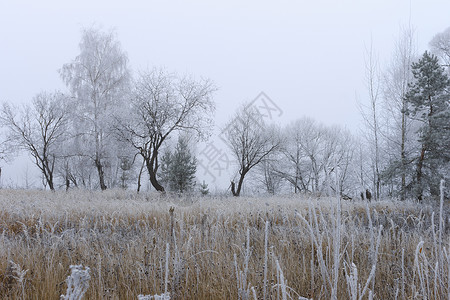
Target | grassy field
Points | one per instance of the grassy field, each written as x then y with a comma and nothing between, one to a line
221,248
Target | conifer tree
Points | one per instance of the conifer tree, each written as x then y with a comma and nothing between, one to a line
204,188
429,101
178,168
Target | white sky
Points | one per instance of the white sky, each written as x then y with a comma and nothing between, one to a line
307,56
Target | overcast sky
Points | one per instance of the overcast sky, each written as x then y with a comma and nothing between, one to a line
307,56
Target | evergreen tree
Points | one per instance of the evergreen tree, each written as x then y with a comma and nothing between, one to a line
428,97
204,188
178,168
166,163
125,166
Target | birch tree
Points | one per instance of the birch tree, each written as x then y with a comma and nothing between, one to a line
98,80
370,113
398,130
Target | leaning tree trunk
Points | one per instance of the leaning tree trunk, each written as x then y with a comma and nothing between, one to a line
152,167
139,177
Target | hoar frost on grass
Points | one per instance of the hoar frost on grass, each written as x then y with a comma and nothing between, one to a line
15,271
77,283
222,248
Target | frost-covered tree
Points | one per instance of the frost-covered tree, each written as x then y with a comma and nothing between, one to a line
440,46
38,129
429,100
251,141
268,175
315,158
370,113
178,168
98,79
310,139
398,131
163,103
294,165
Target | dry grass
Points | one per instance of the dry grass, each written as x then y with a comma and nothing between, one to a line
122,237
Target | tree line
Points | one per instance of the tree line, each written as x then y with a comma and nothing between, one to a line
403,151
107,119
92,135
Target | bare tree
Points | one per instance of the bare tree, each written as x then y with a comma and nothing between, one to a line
312,138
341,163
162,104
268,174
38,129
317,157
398,131
98,78
370,115
293,167
440,46
251,141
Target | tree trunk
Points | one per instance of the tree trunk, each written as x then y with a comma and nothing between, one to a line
101,174
233,188
237,192
48,175
296,185
152,167
66,177
49,179
50,184
419,174
297,162
422,154
403,152
377,153
139,177
154,181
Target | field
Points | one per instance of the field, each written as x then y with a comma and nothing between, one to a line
221,248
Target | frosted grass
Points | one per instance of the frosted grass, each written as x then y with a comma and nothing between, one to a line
222,248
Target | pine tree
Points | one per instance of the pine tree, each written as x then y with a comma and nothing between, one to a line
178,168
428,97
125,166
204,189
